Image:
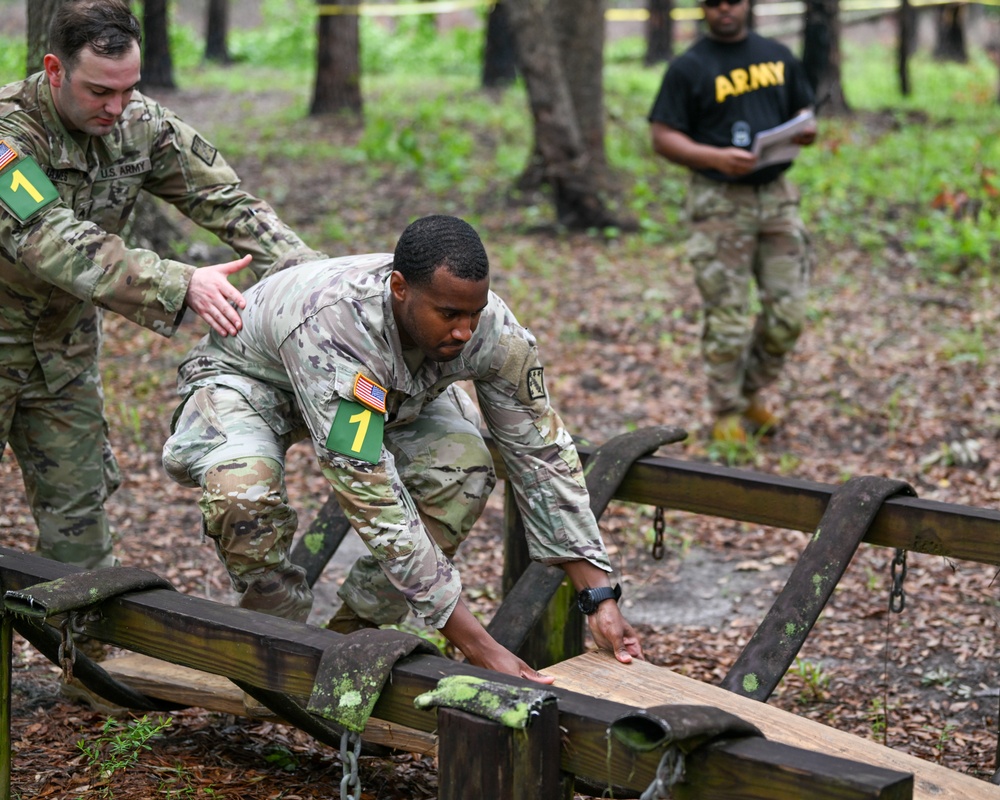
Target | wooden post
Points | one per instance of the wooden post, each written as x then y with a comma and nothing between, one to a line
559,634
478,757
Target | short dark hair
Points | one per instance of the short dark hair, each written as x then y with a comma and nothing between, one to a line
108,27
440,241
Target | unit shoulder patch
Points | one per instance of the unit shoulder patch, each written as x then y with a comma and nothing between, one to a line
204,150
356,432
24,187
536,384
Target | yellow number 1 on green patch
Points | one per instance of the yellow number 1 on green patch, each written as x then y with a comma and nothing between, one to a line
25,189
357,432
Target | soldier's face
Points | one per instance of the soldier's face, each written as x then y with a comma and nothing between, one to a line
727,20
440,318
91,96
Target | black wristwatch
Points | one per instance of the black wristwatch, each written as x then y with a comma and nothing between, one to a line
589,599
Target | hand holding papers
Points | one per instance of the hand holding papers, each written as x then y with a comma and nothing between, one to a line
775,145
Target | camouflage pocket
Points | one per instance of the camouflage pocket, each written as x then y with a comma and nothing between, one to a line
197,431
707,198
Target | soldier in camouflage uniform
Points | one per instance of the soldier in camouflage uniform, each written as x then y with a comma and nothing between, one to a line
744,216
361,355
77,143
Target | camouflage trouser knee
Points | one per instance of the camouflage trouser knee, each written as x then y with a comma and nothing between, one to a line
743,235
447,469
243,503
60,440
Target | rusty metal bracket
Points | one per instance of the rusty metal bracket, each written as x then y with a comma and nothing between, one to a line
784,629
604,471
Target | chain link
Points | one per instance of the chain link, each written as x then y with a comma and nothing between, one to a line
67,649
897,596
350,784
669,773
659,526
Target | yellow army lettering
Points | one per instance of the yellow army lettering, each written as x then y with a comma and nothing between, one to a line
758,76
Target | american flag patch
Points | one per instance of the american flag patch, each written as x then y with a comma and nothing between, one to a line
369,394
7,154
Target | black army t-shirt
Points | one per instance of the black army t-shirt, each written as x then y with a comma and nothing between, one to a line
723,93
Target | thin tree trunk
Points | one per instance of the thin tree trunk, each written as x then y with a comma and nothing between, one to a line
40,13
158,66
217,31
821,55
906,20
558,138
338,67
659,32
499,52
951,34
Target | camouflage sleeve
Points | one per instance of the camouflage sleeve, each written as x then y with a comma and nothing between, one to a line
542,462
94,265
191,174
380,509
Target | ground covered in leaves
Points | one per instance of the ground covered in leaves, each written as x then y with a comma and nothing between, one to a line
890,379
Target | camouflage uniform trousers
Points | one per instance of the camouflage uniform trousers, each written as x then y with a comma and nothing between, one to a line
743,234
221,444
60,440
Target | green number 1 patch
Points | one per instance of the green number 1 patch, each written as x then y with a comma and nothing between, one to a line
25,189
357,432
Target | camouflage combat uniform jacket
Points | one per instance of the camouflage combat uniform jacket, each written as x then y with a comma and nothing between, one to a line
65,263
307,334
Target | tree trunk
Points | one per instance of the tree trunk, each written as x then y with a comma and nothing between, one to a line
499,53
907,20
338,64
40,13
579,25
217,31
559,139
659,32
158,67
821,55
951,34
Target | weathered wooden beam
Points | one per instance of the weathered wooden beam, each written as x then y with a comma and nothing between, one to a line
284,656
922,526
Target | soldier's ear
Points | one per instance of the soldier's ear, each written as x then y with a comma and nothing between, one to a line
398,286
54,70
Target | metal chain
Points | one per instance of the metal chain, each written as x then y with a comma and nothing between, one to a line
67,649
669,773
897,597
350,785
659,526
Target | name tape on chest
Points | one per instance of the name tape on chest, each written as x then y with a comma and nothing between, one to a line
24,187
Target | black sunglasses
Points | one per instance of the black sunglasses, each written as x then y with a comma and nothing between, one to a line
717,3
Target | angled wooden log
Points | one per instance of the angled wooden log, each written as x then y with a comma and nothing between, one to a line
283,656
